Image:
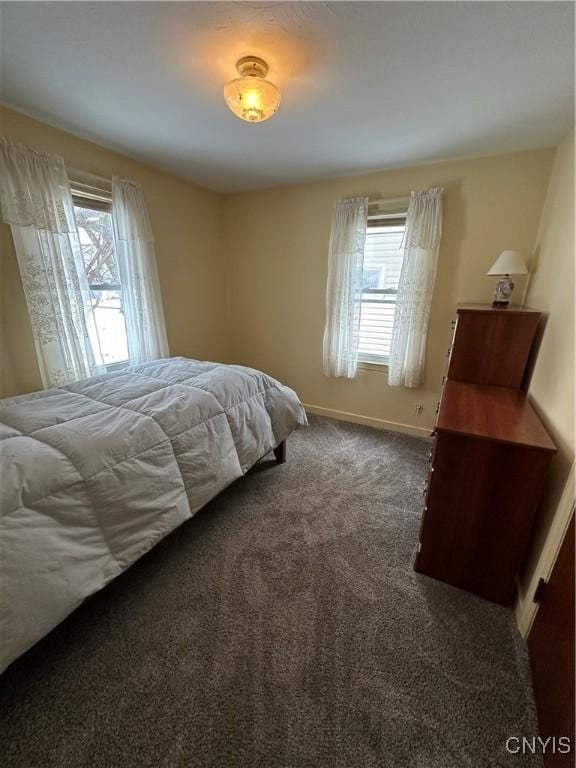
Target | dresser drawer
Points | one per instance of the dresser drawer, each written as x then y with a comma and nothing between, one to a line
479,508
428,481
492,347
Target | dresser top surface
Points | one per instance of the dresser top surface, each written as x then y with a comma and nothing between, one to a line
501,414
509,310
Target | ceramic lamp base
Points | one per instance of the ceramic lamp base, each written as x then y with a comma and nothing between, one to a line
502,292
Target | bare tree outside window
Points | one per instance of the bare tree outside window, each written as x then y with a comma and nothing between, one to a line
97,243
97,247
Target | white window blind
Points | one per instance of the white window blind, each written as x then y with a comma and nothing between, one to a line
382,264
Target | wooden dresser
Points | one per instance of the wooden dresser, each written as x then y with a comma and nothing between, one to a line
489,460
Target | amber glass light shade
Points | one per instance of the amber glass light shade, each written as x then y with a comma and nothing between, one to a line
251,97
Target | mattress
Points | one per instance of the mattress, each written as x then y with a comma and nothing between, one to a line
95,473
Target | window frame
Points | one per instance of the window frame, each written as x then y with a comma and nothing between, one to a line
95,199
398,218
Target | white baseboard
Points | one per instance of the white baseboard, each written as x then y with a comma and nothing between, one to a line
368,421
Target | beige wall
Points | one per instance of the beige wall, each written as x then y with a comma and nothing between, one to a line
186,224
552,385
270,249
276,244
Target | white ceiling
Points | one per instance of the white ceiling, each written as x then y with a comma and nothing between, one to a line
366,85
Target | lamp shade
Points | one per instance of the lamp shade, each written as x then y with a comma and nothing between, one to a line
252,99
508,263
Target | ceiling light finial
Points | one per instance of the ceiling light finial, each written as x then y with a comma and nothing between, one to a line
251,97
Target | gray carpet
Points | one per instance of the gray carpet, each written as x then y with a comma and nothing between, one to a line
282,627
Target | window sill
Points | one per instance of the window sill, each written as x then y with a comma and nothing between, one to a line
113,367
366,365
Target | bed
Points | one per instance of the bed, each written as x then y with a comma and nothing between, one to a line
97,472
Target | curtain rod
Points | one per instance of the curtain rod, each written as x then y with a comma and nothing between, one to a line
87,174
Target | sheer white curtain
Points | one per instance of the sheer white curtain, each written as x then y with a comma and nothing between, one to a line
421,243
141,296
37,204
344,288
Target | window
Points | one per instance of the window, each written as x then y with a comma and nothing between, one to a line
94,221
383,255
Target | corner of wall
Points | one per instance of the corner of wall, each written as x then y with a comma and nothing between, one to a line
551,388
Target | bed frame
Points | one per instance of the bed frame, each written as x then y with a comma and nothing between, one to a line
280,453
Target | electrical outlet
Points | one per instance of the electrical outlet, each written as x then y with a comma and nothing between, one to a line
419,408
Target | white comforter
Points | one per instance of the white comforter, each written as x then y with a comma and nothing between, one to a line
95,473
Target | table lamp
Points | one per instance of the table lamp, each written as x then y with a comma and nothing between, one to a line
508,263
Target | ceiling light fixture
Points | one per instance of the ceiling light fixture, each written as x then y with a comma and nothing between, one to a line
251,97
